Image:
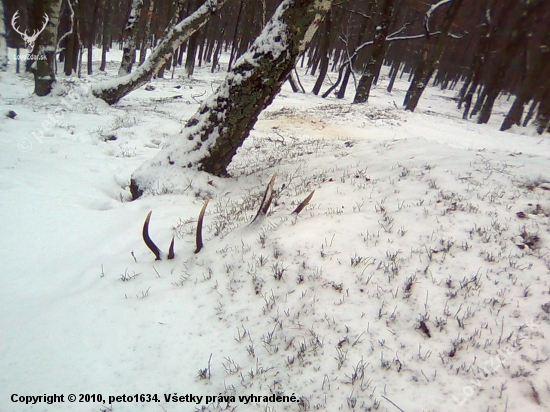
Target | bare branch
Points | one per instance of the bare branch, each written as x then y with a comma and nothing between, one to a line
430,11
366,16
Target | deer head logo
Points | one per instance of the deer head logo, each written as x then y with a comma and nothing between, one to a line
29,40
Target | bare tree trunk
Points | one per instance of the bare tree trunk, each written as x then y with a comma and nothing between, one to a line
192,43
45,48
216,57
430,59
112,92
540,69
235,37
543,115
530,113
517,40
106,34
73,42
377,55
324,51
3,43
91,35
396,66
130,36
213,135
147,35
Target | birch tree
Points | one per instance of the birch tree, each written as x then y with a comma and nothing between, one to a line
114,90
44,67
212,136
129,42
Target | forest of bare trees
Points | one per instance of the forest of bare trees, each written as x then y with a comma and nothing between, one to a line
480,48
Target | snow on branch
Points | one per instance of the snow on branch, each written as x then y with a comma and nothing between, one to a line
431,10
394,36
113,90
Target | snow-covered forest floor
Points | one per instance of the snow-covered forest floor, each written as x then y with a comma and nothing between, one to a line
416,279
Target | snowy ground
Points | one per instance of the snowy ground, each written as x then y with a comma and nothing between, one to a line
417,278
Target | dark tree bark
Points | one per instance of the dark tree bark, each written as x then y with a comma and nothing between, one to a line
3,42
130,36
345,70
45,47
395,68
345,80
517,40
530,113
235,37
430,58
106,33
324,52
213,135
147,33
92,30
201,44
113,92
543,115
217,51
72,45
192,43
540,69
377,55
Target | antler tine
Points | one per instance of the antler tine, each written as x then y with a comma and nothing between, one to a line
303,204
14,23
150,244
266,201
37,32
171,249
198,237
46,21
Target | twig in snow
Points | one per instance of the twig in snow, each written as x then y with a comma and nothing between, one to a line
393,403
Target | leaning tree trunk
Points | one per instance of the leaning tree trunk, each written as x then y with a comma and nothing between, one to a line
213,135
113,91
430,59
130,36
377,55
44,71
